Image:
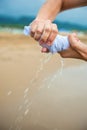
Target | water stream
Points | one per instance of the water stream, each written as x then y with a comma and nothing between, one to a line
25,107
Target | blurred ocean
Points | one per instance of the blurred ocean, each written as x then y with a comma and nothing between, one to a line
40,91
7,23
22,12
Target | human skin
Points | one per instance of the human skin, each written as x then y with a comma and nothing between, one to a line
76,50
45,31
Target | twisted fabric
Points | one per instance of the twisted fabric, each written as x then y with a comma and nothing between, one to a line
59,44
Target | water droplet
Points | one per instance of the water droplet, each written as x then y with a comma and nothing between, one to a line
26,112
26,90
25,95
62,65
9,93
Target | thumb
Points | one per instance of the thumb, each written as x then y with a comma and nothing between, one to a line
79,46
74,40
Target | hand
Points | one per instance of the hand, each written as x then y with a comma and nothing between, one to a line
44,31
78,46
77,49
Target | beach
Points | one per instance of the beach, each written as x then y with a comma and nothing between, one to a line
40,91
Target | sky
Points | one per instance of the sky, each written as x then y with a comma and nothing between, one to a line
19,8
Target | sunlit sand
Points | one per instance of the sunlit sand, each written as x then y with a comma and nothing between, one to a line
40,91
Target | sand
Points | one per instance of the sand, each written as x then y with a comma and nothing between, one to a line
40,91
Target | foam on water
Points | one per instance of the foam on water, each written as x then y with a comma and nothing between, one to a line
11,30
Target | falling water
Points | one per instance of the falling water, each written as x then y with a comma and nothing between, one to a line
36,90
25,107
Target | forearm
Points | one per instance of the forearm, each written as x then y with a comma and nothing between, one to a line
68,4
51,8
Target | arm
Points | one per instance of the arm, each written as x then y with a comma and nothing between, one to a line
77,48
68,4
42,29
51,8
42,24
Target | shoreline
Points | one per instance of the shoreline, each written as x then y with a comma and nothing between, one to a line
8,32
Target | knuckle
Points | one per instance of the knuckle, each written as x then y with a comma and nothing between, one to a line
38,31
36,38
47,29
51,40
32,31
49,21
54,31
42,39
35,21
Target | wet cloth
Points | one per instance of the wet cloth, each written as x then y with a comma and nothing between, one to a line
59,44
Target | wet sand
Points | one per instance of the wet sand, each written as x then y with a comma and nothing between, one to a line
40,91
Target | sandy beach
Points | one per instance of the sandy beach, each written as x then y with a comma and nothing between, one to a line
40,91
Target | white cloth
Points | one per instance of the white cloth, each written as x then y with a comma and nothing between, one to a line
59,44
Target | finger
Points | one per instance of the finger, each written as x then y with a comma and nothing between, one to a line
46,32
44,50
75,42
39,31
33,25
74,35
80,47
53,34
